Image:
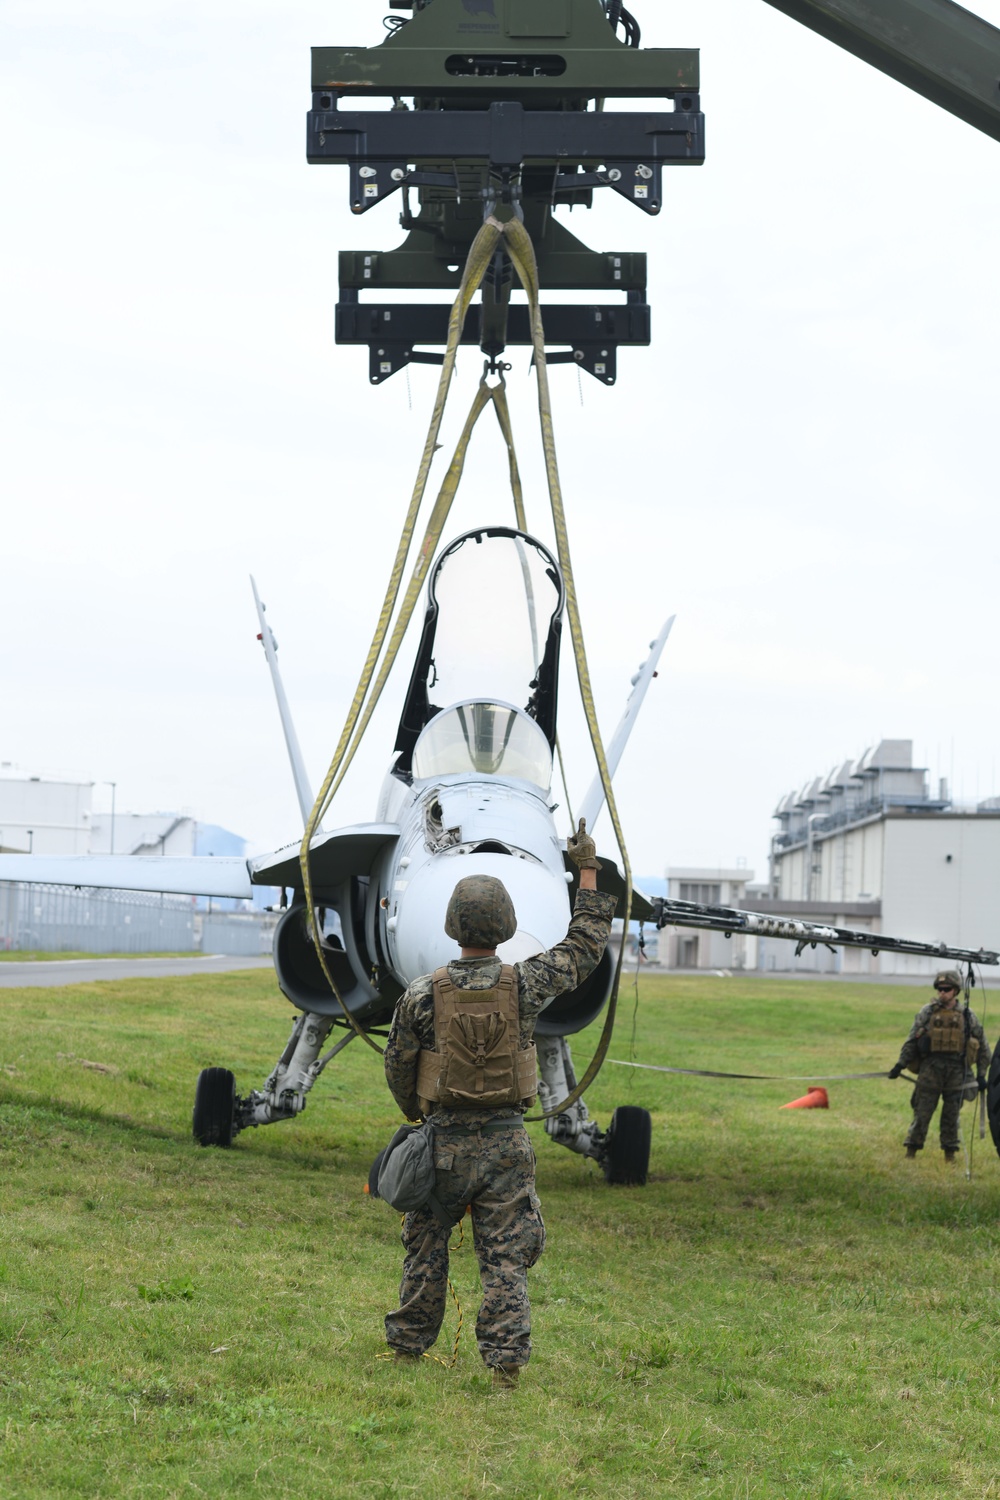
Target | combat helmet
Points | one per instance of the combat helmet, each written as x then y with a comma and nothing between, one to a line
948,976
480,913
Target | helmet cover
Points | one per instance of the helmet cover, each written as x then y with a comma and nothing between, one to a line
948,976
480,913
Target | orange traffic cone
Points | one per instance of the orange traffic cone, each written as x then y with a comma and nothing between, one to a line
816,1098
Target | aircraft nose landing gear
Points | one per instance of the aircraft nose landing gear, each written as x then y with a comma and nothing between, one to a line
622,1150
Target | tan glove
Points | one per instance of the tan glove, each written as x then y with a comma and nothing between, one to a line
582,850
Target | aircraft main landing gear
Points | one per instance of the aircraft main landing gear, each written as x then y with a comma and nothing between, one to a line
993,1099
220,1114
214,1117
623,1150
627,1143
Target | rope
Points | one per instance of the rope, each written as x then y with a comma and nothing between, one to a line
448,1364
756,1077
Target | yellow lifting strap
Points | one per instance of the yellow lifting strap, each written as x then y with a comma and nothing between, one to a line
359,714
521,252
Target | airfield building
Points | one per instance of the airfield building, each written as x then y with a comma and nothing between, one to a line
43,816
684,948
870,846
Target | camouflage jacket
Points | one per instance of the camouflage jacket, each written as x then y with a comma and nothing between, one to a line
910,1055
539,980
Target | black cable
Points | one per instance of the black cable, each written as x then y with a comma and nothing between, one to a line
618,16
633,35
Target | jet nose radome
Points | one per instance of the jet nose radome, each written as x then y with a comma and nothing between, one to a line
418,943
523,944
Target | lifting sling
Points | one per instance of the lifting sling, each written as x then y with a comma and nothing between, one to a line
517,243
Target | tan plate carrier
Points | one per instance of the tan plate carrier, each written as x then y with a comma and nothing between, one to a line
478,1062
946,1029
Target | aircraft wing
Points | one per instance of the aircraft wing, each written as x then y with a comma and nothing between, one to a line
182,875
335,857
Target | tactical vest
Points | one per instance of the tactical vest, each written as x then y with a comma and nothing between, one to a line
477,1062
946,1030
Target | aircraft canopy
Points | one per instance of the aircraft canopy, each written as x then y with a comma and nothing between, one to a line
488,739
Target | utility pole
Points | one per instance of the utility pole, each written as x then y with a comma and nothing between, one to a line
113,785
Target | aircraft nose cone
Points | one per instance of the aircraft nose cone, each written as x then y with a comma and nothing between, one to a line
418,943
522,945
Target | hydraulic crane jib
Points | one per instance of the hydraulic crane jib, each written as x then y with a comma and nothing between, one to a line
498,107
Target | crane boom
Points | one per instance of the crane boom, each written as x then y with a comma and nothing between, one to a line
935,47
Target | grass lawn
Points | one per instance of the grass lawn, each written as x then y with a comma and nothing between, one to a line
789,1308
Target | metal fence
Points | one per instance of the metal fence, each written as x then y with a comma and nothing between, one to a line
248,934
65,919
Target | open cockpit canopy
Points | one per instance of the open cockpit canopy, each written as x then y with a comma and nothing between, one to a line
490,640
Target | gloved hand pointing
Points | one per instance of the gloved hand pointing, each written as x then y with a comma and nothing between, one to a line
895,1071
582,850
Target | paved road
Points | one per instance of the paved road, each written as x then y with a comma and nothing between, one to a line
45,973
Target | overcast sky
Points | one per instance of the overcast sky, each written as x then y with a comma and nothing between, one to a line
803,466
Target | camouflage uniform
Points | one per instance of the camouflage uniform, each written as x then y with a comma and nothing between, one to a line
939,1076
493,1171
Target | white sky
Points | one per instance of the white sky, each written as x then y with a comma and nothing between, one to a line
802,466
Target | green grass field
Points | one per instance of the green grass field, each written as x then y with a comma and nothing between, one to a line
789,1308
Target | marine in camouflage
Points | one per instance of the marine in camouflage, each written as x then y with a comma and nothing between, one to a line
480,913
941,1076
493,1171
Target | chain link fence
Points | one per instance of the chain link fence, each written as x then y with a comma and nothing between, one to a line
67,919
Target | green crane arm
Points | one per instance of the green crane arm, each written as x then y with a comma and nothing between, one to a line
937,48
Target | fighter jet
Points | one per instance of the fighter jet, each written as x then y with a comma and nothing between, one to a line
468,791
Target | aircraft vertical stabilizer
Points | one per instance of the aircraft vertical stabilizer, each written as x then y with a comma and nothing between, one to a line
594,800
302,788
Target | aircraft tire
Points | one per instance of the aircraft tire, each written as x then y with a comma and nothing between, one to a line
214,1113
993,1099
629,1138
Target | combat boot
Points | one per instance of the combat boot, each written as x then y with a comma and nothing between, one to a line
951,1157
911,1152
505,1377
407,1356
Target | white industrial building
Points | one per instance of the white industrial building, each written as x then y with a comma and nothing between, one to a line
867,846
685,948
43,815
55,816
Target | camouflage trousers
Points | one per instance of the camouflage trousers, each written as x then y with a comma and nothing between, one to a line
938,1078
493,1173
